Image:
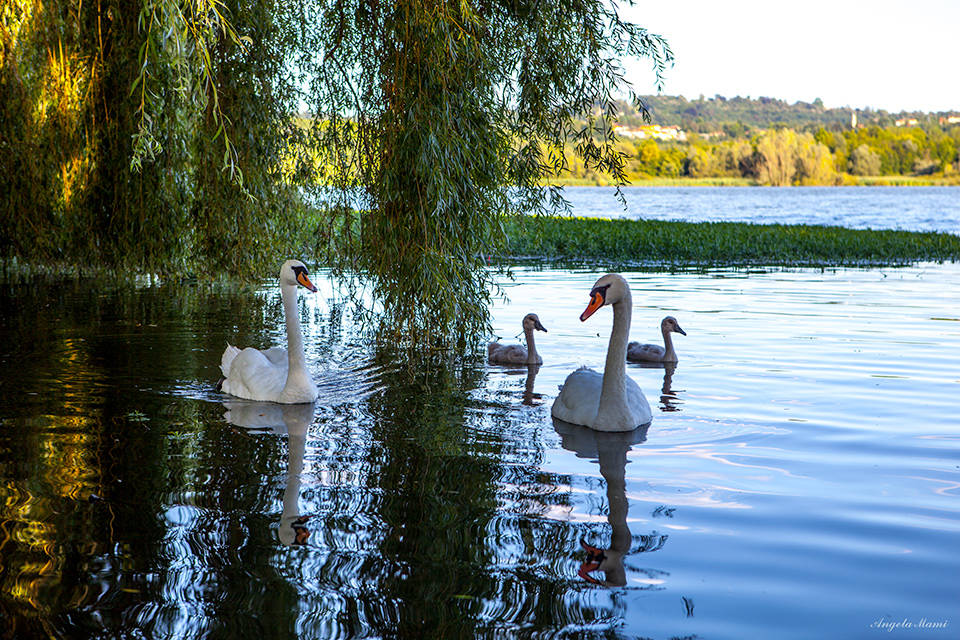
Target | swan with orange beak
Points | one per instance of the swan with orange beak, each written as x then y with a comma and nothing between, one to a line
610,401
275,374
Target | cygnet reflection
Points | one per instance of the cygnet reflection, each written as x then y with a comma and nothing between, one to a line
669,398
610,450
529,397
293,420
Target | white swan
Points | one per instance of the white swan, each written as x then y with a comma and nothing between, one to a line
274,375
515,354
637,352
612,401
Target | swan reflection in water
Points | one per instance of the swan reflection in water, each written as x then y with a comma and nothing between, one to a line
669,398
610,450
292,420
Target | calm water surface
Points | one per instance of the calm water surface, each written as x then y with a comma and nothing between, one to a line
908,208
800,479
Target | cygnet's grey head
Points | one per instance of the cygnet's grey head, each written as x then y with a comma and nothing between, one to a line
531,321
670,324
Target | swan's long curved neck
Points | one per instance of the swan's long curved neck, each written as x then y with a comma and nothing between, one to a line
615,370
296,358
531,346
668,352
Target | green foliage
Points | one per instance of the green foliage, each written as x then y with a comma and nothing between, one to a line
738,116
774,143
787,157
165,137
438,120
625,242
864,162
114,137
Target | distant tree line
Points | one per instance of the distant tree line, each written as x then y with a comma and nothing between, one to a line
782,156
739,116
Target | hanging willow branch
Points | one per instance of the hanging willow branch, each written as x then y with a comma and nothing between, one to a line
180,36
436,119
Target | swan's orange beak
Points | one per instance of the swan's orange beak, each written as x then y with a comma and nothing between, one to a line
596,301
305,281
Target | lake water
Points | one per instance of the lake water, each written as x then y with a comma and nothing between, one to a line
908,208
800,478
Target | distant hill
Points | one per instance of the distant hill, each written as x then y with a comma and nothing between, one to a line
737,116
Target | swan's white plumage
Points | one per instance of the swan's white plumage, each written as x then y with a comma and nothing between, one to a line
610,401
254,376
229,354
579,400
274,374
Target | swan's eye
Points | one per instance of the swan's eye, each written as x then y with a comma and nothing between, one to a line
300,275
600,291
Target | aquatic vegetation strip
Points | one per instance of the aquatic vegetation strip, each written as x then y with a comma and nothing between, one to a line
712,243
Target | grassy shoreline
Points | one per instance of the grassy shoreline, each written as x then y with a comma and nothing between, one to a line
849,181
702,244
648,244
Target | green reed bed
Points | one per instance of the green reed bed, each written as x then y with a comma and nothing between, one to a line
714,243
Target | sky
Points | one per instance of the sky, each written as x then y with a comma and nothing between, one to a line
882,54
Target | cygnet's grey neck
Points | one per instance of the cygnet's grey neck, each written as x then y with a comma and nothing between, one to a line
668,354
531,346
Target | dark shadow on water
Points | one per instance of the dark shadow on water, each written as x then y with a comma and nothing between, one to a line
529,397
141,503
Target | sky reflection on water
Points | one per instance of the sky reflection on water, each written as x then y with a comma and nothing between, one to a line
799,479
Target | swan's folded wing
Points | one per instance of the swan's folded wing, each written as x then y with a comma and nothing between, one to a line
637,403
276,355
579,398
226,359
510,354
253,376
644,352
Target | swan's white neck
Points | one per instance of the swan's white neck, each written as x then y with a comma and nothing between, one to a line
669,355
532,356
613,394
296,359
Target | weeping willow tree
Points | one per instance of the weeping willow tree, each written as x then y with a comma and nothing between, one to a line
147,135
160,135
436,119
